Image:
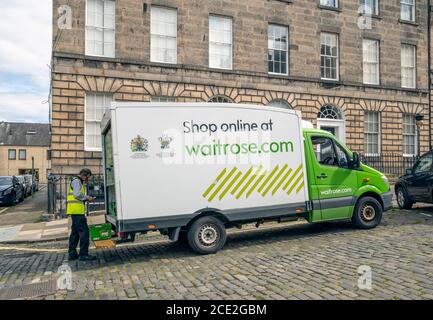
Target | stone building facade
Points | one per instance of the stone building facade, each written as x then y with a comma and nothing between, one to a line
25,147
127,71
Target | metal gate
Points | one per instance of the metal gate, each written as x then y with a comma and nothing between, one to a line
58,186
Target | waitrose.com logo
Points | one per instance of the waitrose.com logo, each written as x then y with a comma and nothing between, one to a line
217,148
336,191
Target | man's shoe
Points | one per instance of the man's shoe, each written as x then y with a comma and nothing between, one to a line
73,257
87,258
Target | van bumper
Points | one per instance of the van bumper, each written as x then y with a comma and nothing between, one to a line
387,200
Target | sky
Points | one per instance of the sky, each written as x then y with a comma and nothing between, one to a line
25,54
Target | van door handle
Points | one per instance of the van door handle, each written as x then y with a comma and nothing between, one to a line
322,176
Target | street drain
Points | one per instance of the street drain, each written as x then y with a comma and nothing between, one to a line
29,291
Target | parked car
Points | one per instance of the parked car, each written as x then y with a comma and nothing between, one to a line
31,183
11,190
35,184
23,184
417,184
27,183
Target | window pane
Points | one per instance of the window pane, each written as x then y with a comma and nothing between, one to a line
409,134
96,105
324,151
163,35
22,154
277,49
220,42
329,56
100,27
425,164
12,154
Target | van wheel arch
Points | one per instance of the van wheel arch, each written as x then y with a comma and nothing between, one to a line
372,195
208,213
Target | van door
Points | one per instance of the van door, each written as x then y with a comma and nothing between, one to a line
418,183
334,180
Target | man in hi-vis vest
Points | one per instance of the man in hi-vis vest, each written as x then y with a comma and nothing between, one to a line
76,209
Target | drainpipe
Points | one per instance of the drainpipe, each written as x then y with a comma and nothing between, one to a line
429,7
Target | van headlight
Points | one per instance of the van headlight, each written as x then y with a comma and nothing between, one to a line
385,179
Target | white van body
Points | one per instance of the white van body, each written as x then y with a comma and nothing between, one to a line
174,161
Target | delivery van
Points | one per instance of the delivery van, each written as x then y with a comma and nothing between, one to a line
192,170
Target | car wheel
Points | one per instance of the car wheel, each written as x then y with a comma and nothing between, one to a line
403,200
206,235
367,213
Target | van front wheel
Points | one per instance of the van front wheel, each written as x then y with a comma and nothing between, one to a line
367,213
206,235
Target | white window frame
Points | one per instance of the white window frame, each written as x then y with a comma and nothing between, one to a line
337,57
414,50
86,120
162,36
231,42
366,62
412,5
286,49
369,132
412,116
325,3
374,7
87,27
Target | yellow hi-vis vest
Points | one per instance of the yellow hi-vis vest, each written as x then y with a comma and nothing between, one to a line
75,206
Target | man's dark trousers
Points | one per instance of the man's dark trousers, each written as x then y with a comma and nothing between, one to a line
79,233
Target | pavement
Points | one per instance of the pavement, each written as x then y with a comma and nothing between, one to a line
299,262
42,231
28,211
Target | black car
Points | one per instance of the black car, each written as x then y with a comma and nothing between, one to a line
417,184
11,191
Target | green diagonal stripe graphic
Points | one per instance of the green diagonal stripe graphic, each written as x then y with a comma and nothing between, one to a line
281,181
256,183
300,187
209,189
222,184
268,178
242,180
230,185
294,184
292,177
249,182
275,180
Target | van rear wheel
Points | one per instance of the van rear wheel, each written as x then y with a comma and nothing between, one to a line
206,235
367,213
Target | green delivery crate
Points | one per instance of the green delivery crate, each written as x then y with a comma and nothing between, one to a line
100,231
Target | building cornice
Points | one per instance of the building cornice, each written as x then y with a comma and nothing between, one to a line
92,62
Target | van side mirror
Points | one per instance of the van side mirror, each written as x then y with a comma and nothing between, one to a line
409,171
355,161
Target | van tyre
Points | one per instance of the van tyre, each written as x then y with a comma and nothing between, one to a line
403,200
206,235
367,213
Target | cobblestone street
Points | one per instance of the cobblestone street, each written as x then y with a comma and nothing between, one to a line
274,262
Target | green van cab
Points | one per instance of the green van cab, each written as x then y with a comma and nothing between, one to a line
341,187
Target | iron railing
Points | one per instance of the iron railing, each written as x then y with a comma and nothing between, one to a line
389,163
57,189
